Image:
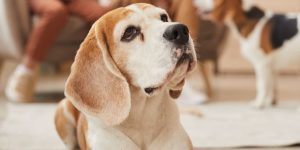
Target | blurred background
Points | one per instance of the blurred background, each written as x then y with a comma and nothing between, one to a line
220,118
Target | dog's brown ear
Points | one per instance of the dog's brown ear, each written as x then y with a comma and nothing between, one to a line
96,86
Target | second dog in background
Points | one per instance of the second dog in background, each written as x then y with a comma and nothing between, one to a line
269,41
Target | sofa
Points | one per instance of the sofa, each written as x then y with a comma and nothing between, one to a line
16,21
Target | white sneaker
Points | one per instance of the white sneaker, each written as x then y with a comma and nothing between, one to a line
192,96
21,85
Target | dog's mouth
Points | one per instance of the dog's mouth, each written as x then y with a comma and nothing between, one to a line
185,62
206,12
185,58
207,15
183,54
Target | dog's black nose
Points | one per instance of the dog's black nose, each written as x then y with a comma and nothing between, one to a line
178,34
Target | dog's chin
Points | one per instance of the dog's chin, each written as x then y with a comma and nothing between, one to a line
180,73
174,80
185,64
185,61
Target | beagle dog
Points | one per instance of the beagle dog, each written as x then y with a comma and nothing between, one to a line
121,89
269,41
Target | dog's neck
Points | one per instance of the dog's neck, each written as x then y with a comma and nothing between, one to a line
244,22
148,116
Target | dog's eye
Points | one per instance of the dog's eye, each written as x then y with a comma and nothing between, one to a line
130,33
164,18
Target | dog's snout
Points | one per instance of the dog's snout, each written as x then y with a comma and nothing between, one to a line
178,34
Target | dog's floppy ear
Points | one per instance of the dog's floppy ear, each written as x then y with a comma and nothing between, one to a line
96,86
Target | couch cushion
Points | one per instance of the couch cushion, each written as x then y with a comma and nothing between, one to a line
68,41
11,40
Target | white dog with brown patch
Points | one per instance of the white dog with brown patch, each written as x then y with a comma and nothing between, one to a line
268,41
121,90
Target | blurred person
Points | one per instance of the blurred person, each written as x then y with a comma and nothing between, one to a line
53,15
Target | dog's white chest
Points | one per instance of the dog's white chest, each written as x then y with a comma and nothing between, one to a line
251,51
102,137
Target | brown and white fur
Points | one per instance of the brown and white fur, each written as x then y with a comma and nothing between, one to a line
255,30
121,90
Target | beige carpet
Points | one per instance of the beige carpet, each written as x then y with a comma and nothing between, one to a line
30,127
239,125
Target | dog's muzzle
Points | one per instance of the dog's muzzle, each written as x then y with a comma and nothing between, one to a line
185,58
178,35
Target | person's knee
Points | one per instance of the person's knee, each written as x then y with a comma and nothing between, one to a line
57,12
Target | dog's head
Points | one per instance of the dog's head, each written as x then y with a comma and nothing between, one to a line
224,10
134,46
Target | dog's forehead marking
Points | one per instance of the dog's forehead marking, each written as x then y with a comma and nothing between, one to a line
135,9
140,8
204,4
119,14
145,9
144,6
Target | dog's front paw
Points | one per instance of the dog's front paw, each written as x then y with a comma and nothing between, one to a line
257,104
263,103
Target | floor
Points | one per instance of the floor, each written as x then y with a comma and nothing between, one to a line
227,88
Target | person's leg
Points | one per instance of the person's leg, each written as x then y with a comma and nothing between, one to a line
88,10
52,18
